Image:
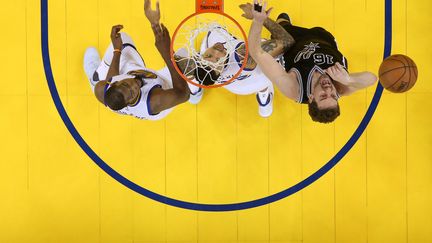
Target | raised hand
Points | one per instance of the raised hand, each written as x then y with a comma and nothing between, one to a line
163,39
247,10
152,15
259,12
338,73
116,37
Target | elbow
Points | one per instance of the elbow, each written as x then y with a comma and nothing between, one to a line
288,42
181,90
183,95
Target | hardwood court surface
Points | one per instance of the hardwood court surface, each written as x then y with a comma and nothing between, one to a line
219,151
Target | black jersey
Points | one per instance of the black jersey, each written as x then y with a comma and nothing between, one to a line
308,56
315,49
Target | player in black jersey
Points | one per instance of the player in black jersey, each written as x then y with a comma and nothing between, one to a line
314,73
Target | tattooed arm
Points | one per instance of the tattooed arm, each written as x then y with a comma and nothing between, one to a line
285,81
281,40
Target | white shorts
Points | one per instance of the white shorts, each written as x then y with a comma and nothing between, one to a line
252,85
256,81
130,59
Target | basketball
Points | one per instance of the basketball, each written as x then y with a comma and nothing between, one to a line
398,73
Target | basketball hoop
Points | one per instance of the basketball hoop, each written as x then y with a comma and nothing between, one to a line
209,17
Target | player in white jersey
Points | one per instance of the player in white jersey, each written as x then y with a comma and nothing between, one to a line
251,80
124,84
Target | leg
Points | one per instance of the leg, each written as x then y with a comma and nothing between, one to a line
127,41
129,55
91,63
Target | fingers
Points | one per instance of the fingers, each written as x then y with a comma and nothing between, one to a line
257,7
115,29
245,5
157,6
330,72
269,11
247,10
335,69
147,4
261,4
339,65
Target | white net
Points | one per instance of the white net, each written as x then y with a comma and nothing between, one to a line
204,32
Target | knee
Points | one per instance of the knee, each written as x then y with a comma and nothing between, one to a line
126,38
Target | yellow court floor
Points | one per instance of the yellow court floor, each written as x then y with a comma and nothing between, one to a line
219,151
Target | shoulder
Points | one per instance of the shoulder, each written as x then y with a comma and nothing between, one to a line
100,89
291,84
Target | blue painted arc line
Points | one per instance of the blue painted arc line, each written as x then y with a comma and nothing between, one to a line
199,206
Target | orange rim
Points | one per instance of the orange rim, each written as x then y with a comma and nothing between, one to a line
217,85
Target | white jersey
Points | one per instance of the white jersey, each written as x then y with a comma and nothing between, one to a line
141,109
131,60
250,81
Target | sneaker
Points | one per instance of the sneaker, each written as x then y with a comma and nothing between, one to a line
91,62
283,17
265,102
196,97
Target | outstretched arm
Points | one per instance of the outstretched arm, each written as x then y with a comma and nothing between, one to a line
117,42
281,40
152,15
350,82
114,68
286,82
161,99
164,99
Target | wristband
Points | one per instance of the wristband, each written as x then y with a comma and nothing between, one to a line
117,50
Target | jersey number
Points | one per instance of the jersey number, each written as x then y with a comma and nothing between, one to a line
320,59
